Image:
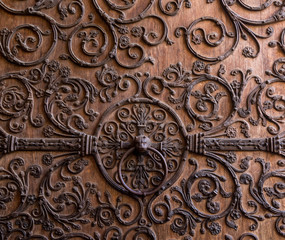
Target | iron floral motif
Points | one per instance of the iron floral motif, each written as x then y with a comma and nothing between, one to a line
145,152
94,41
99,44
141,155
194,34
138,152
64,96
17,103
37,38
176,78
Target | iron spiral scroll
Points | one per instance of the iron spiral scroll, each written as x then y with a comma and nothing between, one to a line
117,152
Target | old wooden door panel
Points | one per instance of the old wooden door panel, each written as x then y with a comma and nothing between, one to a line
142,119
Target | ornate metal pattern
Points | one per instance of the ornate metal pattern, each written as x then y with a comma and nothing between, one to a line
172,168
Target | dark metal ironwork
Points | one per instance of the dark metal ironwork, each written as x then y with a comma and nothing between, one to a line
140,144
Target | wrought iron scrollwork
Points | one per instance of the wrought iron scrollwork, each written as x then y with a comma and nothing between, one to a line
196,35
142,147
87,38
141,154
141,151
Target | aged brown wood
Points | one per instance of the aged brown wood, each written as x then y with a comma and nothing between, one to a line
142,119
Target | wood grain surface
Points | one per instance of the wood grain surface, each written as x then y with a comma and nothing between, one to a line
128,119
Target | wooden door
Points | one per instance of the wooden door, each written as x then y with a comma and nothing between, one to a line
128,119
